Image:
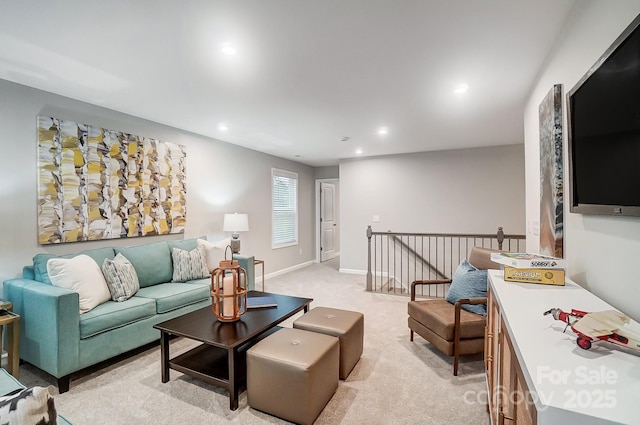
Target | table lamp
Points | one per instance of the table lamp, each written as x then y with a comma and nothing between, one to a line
235,223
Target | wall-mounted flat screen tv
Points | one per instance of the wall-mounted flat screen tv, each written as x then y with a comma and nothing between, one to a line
603,113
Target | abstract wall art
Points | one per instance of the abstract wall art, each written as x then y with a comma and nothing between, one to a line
95,183
551,174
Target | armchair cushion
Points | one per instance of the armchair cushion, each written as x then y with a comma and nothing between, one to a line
469,282
437,316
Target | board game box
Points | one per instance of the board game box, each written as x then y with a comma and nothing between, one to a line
523,260
534,275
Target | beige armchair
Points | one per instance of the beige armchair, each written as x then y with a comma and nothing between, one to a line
448,327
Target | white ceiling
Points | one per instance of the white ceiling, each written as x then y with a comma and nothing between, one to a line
306,74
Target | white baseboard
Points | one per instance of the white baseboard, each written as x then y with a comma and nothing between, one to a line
352,271
284,271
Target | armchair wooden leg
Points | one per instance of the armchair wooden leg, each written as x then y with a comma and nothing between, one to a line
456,339
411,335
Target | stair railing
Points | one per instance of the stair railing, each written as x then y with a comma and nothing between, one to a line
396,259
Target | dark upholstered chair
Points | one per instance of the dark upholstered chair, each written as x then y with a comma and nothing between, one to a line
451,329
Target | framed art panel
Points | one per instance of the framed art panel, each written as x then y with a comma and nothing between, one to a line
551,174
95,183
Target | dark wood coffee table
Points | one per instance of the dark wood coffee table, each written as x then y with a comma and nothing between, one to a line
221,358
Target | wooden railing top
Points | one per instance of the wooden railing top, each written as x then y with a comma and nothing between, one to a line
468,239
456,235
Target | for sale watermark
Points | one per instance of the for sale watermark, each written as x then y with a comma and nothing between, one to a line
593,388
578,388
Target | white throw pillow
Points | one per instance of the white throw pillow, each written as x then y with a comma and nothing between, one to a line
215,251
80,274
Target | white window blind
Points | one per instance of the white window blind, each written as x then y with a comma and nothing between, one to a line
285,208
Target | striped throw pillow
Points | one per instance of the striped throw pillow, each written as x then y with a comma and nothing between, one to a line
121,278
189,265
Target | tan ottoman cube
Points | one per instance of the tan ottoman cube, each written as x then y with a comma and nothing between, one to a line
347,325
293,374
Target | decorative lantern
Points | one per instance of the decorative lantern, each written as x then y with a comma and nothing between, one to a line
229,290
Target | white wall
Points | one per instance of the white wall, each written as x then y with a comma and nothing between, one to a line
221,178
455,191
602,252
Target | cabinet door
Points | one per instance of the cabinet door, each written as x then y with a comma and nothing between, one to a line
518,407
491,353
506,379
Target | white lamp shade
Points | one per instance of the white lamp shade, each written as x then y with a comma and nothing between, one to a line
235,223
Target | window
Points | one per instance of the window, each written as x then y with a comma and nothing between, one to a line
285,208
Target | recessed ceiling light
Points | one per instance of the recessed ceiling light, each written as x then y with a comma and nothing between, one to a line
383,130
358,151
461,88
228,49
222,127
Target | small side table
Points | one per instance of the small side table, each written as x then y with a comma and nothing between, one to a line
261,263
12,321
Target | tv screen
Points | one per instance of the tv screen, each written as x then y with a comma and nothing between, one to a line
604,131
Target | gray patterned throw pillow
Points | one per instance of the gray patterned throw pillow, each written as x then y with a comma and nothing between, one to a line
121,278
189,265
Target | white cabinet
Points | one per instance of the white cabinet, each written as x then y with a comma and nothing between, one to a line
510,401
536,374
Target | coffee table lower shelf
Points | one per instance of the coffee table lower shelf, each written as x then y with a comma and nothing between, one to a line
205,362
212,364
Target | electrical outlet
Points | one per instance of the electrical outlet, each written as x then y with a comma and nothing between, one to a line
376,219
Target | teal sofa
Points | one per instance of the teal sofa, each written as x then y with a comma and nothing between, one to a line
59,340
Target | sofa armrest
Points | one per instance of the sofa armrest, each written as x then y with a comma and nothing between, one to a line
247,263
49,324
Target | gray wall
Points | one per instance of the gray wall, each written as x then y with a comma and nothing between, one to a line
602,252
332,172
455,191
221,178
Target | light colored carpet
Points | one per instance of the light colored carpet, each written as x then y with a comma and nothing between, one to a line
395,382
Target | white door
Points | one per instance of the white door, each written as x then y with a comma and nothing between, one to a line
327,221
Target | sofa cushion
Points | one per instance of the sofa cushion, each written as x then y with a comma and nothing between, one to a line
80,274
28,406
469,282
189,265
151,261
121,278
40,261
186,244
170,296
112,315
